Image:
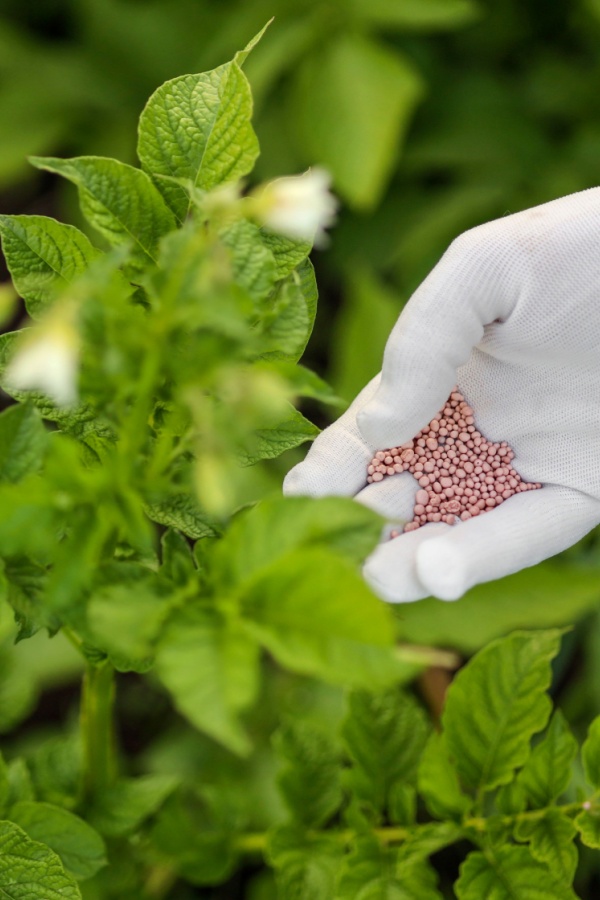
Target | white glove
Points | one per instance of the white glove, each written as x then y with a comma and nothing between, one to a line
511,314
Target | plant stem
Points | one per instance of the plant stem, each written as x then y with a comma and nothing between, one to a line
256,842
97,729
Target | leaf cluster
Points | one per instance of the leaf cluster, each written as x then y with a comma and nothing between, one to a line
368,809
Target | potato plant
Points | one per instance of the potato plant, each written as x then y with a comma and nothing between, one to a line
153,388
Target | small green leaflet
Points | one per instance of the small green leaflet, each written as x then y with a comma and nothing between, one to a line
509,873
547,772
310,781
25,584
196,838
438,781
588,825
181,511
119,201
252,263
54,766
385,734
43,257
80,848
198,127
121,809
496,703
19,782
30,870
125,621
22,442
288,253
268,443
295,306
242,55
371,870
551,842
306,867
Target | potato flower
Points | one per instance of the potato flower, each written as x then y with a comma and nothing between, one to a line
48,361
300,206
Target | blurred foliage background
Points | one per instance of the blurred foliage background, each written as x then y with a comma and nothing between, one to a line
432,116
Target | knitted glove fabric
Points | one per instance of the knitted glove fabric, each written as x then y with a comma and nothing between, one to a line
511,314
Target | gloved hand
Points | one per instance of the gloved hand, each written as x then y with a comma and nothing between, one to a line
511,314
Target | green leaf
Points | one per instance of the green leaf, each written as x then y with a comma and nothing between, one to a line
314,613
55,767
178,564
438,781
30,870
511,798
268,443
427,15
259,537
371,872
19,783
80,848
588,825
551,842
121,809
302,382
242,55
496,703
126,620
198,127
590,753
551,594
509,873
306,866
119,201
253,556
287,252
355,101
25,585
181,511
385,734
196,839
43,257
253,264
294,309
310,781
211,669
402,804
22,442
547,772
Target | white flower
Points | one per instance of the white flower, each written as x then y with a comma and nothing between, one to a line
300,207
47,361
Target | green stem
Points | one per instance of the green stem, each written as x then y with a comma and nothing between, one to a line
97,729
479,823
256,842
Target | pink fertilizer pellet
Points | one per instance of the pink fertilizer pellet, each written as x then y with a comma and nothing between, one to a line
460,474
